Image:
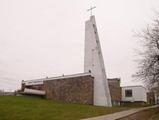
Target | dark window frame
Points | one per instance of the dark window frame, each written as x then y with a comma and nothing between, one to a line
128,93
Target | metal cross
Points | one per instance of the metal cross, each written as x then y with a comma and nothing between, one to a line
91,9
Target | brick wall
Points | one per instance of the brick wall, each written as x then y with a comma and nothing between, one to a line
115,89
71,90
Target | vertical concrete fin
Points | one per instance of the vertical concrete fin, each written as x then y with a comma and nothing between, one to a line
93,61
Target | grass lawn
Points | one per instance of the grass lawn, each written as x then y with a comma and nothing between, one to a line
28,108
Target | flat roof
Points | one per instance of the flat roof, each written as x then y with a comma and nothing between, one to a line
133,86
70,76
113,78
58,77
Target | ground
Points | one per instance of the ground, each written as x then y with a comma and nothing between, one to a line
150,114
29,108
156,118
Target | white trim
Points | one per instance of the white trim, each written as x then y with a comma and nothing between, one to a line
40,81
69,76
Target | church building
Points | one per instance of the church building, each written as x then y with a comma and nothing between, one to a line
89,87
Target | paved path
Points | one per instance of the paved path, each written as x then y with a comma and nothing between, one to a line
121,114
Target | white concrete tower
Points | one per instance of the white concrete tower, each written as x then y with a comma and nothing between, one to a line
93,61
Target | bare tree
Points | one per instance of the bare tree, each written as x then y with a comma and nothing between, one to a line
148,65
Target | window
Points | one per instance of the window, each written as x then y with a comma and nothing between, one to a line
128,93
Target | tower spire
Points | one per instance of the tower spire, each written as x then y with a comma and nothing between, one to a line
94,62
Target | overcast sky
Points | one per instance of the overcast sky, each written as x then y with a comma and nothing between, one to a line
40,38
